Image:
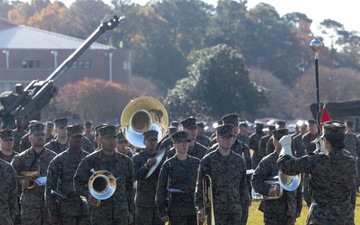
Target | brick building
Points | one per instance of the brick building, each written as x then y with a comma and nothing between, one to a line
28,54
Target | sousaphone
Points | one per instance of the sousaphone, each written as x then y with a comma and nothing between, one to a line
140,115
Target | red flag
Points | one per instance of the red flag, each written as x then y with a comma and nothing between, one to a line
325,116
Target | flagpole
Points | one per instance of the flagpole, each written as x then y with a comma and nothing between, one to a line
315,45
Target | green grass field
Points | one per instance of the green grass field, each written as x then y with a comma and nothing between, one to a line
256,217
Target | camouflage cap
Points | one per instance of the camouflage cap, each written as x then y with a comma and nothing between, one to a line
200,124
175,123
19,118
107,131
7,135
97,129
243,124
225,130
189,123
88,124
180,137
272,127
232,119
50,124
61,122
74,130
281,123
279,133
37,128
172,129
334,127
311,121
120,136
349,124
150,134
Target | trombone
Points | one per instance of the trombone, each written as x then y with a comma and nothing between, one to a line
208,201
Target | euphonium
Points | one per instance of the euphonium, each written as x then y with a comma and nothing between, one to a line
274,183
31,175
208,200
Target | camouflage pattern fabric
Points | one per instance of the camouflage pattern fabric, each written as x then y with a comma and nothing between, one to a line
55,146
32,201
270,146
307,139
198,151
25,143
167,143
229,186
181,175
254,140
331,181
18,135
8,200
8,158
204,140
61,172
276,211
146,189
243,138
297,146
120,204
261,153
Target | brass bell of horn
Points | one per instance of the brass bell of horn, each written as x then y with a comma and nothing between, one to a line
102,184
140,115
289,183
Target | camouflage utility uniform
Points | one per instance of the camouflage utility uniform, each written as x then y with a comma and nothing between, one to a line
198,151
8,200
60,177
116,209
181,175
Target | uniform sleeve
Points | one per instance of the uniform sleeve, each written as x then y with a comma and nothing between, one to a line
139,169
292,166
129,191
161,192
261,174
270,146
51,184
299,199
243,189
12,201
81,178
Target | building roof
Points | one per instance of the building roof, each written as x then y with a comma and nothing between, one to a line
24,37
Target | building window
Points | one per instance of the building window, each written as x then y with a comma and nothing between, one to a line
27,63
81,64
127,65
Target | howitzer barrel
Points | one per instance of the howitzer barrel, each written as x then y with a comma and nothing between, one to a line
111,24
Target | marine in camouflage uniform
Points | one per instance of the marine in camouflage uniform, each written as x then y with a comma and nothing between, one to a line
49,131
121,145
195,149
167,141
254,144
297,143
66,208
332,178
201,137
8,190
6,145
117,209
33,210
262,146
145,207
176,185
60,143
307,139
19,132
285,209
227,170
243,135
88,134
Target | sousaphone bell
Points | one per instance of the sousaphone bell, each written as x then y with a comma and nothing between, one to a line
140,115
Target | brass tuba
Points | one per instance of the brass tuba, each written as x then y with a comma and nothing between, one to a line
289,183
31,175
208,200
102,185
140,115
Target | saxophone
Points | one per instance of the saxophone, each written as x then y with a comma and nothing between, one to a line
31,175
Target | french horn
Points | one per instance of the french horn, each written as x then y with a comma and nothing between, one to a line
140,115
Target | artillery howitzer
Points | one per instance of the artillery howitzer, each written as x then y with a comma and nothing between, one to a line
30,101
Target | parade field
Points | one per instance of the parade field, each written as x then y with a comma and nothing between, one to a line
256,217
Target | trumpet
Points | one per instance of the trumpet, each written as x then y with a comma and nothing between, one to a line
31,175
208,200
102,185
